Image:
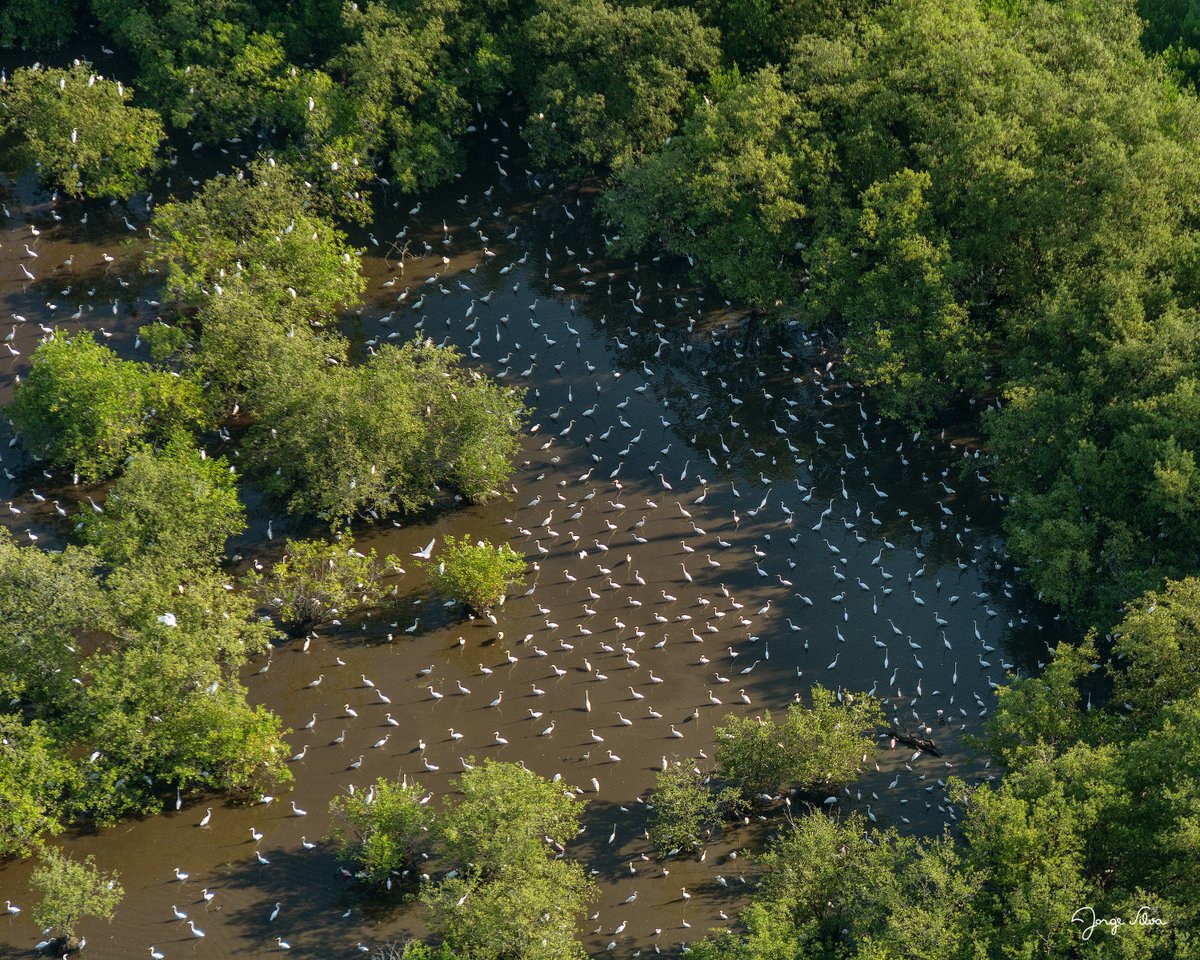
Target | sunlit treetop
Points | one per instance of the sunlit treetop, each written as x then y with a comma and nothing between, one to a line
79,131
260,230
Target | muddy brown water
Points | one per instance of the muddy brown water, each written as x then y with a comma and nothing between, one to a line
691,481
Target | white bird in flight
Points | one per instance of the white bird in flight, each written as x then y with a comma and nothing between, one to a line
424,554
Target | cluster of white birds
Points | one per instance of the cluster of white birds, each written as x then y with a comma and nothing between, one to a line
637,510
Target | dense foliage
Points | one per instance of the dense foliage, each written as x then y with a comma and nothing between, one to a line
381,436
122,658
238,346
163,704
477,574
317,581
124,655
685,810
47,600
834,890
71,890
813,748
1158,647
608,81
990,203
506,817
1173,32
414,950
337,88
83,408
37,24
509,898
258,235
172,508
382,830
723,192
505,896
412,72
529,915
35,773
79,131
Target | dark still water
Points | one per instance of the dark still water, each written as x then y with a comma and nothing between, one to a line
715,522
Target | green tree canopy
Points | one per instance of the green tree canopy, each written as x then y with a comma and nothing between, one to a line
405,83
1078,825
504,818
759,32
1041,714
36,776
905,329
477,574
147,714
728,191
242,349
260,231
508,897
238,345
1173,31
83,408
138,675
685,806
814,747
380,437
1153,836
528,914
47,601
607,81
37,24
317,581
71,890
172,507
162,699
332,86
414,950
216,67
1158,646
833,889
79,131
1031,837
384,829
1097,806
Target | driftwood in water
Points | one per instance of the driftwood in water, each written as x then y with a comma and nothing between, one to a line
918,743
61,946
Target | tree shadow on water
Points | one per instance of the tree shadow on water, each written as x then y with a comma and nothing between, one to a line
323,913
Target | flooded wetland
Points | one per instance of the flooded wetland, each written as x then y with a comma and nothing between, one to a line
715,522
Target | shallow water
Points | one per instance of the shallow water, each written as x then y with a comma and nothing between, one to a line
653,403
